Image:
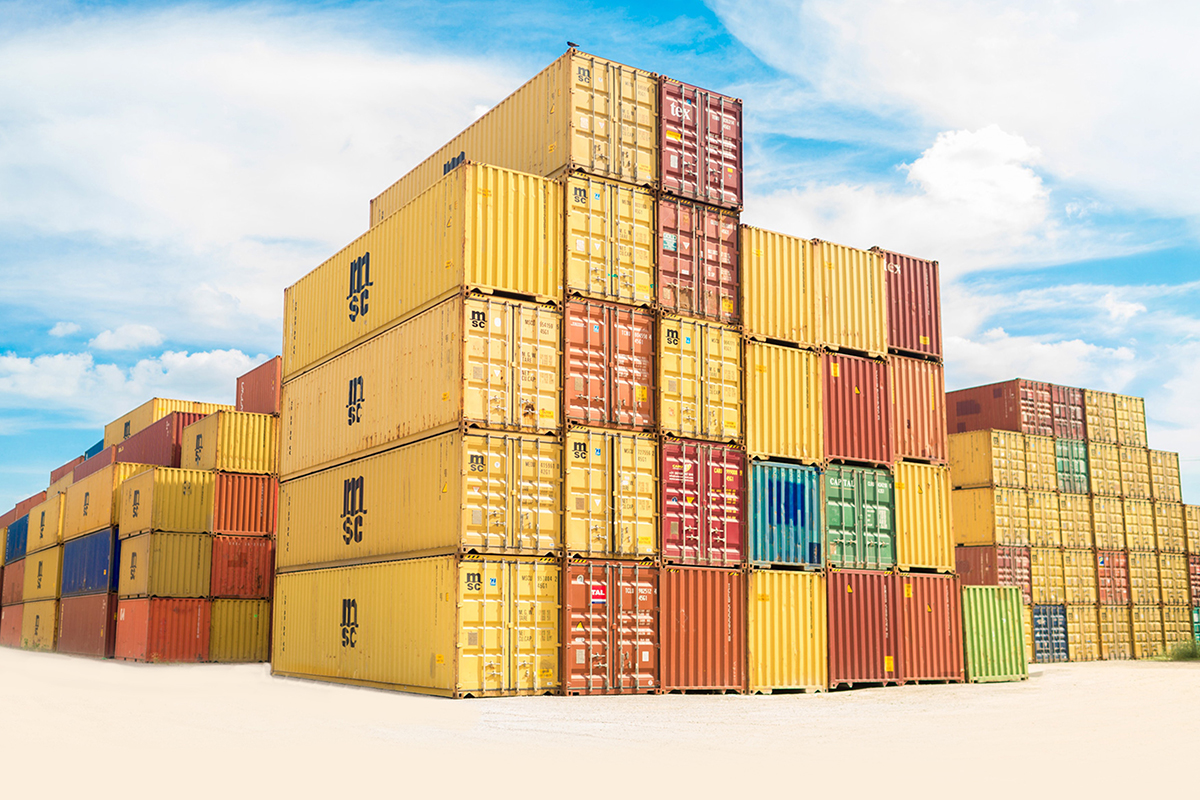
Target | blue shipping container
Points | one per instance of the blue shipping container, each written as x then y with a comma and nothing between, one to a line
18,535
90,564
1049,634
785,514
94,449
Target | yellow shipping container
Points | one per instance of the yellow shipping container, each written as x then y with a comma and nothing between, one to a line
1139,525
45,524
1148,640
474,361
1177,626
94,503
240,631
1191,523
232,441
990,516
456,627
150,412
165,565
1108,523
167,499
1027,625
1170,533
1173,582
39,625
783,403
1143,578
987,458
1131,420
1116,633
1135,472
1041,466
611,487
854,305
700,380
1104,469
1079,573
1083,633
1045,527
611,234
1075,518
923,535
43,574
60,485
1048,577
1100,415
479,492
787,626
782,288
1164,476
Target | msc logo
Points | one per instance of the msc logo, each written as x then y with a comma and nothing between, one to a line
580,195
579,450
355,401
137,502
199,448
461,158
353,509
672,337
126,430
39,575
133,566
478,319
474,581
87,497
37,624
360,283
42,527
584,75
349,623
477,464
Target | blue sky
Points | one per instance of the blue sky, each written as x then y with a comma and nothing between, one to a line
166,169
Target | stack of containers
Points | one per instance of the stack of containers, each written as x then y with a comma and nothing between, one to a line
42,588
1192,524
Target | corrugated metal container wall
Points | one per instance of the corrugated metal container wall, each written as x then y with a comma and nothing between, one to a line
785,515
1079,574
918,409
700,380
158,443
25,506
16,539
1112,577
487,362
863,633
1169,532
914,304
163,630
87,625
93,450
781,287
995,566
1068,412
58,474
611,483
993,630
1177,626
610,627
59,486
1045,527
608,363
1041,464
987,458
703,629
854,305
1075,519
783,403
43,575
1148,640
787,631
923,535
698,261
11,619
1108,523
1104,469
1071,458
165,565
242,567
39,625
245,505
258,389
455,627
1050,634
13,583
1173,579
94,464
1144,588
703,503
232,441
90,563
150,412
1116,634
856,405
166,499
1139,524
580,113
990,516
45,525
1017,405
860,527
928,612
1046,571
1164,476
1100,416
94,503
700,141
1083,633
241,631
610,240
481,492
1191,522
1131,420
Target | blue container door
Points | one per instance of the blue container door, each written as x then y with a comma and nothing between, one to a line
1049,634
785,514
90,564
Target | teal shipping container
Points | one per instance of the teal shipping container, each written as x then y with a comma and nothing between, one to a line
994,634
1071,458
785,515
860,518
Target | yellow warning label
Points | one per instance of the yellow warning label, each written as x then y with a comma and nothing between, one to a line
640,394
856,391
579,626
924,340
899,486
441,659
445,396
849,589
675,135
833,369
908,590
888,664
547,413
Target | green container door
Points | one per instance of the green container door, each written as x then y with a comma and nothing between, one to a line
860,512
1071,458
994,633
1196,623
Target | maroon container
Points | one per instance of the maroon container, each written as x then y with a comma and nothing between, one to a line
87,625
609,362
857,410
610,620
697,260
1016,405
12,589
11,619
1112,575
918,410
929,610
8,518
242,567
862,628
994,565
26,505
703,614
703,496
258,389
700,141
160,443
95,463
1194,578
163,629
914,304
58,474
1066,409
245,505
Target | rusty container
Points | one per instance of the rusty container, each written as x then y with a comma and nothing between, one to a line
258,389
857,412
13,583
94,464
995,565
1112,577
703,503
610,624
608,361
700,144
158,629
930,626
863,630
160,443
698,260
242,567
914,305
11,619
59,473
703,634
87,625
918,410
1017,405
245,505
1067,411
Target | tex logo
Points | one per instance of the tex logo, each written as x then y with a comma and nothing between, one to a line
349,623
681,110
353,510
355,401
360,286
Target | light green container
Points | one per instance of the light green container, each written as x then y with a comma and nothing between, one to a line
1071,458
860,518
994,634
1196,623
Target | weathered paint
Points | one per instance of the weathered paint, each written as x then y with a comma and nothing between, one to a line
90,563
94,503
43,575
1075,519
1146,624
854,298
923,536
1144,587
87,625
913,303
995,565
611,238
990,516
703,629
928,613
860,528
785,515
1045,525
781,287
1083,633
1046,571
864,637
918,409
166,499
1041,464
611,485
700,141
855,403
1071,457
608,365
703,503
149,412
39,625
698,261
1079,575
258,390
240,631
1112,577
987,458
1017,405
1108,523
700,380
1049,633
232,441
165,565
787,631
163,629
784,417
610,623
1116,633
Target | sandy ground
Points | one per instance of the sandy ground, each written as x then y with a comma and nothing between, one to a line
77,727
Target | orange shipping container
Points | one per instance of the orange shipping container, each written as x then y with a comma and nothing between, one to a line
918,409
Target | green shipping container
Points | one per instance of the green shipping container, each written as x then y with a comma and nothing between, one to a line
860,513
1196,623
1072,461
994,634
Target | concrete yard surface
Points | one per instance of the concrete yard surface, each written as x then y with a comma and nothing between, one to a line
74,727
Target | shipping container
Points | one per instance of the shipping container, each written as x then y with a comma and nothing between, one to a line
11,619
787,632
1067,407
580,113
860,528
39,625
1041,465
1104,469
611,484
159,443
95,463
863,629
1083,633
1135,472
151,411
258,389
1112,577
1017,405
242,567
1191,524
928,613
1173,579
700,141
1169,532
1079,573
698,261
855,399
163,630
1144,588
1100,416
1147,627
470,361
854,298
94,503
16,539
1045,525
990,516
610,240
1139,525
924,539
1164,476
703,629
233,441
914,304
13,583
165,565
45,525
1075,519
782,288
995,565
703,503
608,365
1108,523
783,403
1116,635
993,632
87,625
988,458
1046,571
1177,626
1050,634
1195,623
245,505
1194,578
918,410
59,486
93,450
90,564
1131,421
470,626
43,575
786,528
166,499
240,631
1071,457
59,473
610,627
700,379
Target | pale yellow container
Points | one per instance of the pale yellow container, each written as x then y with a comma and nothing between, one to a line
1139,525
39,625
167,499
782,288
470,627
1116,633
1170,533
923,535
990,516
700,380
1164,476
94,503
987,458
486,492
1045,527
1131,420
1079,574
1148,639
232,441
610,479
1191,522
783,403
1108,523
1083,633
1177,626
475,361
43,574
1028,626
45,524
1041,466
1100,413
150,412
166,564
1135,472
240,631
60,485
1173,579
1104,469
854,299
787,627
1075,518
1143,578
1046,572
611,236
477,227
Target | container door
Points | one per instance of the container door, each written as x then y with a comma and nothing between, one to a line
587,622
536,467
609,240
534,360
681,501
701,144
721,384
533,643
614,116
680,357
488,368
488,491
723,509
843,540
588,362
635,494
631,359
484,613
588,492
633,617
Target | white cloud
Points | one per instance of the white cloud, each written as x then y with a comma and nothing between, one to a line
996,355
127,337
1120,311
64,329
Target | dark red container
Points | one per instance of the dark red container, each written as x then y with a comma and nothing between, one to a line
914,305
863,634
160,443
1066,406
87,625
609,363
95,463
918,409
1194,575
57,474
1016,405
11,619
703,496
8,518
857,410
26,505
12,589
245,505
163,629
242,567
703,616
258,389
929,609
610,624
700,141
697,260
1112,575
994,565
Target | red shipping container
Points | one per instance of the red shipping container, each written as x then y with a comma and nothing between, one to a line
95,463
245,505
918,409
862,628
1112,576
703,629
1016,405
995,565
610,625
703,497
57,474
1194,575
914,304
12,588
11,619
609,362
929,611
242,567
160,629
857,410
160,443
1066,407
258,389
26,505
700,141
87,625
8,518
697,260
